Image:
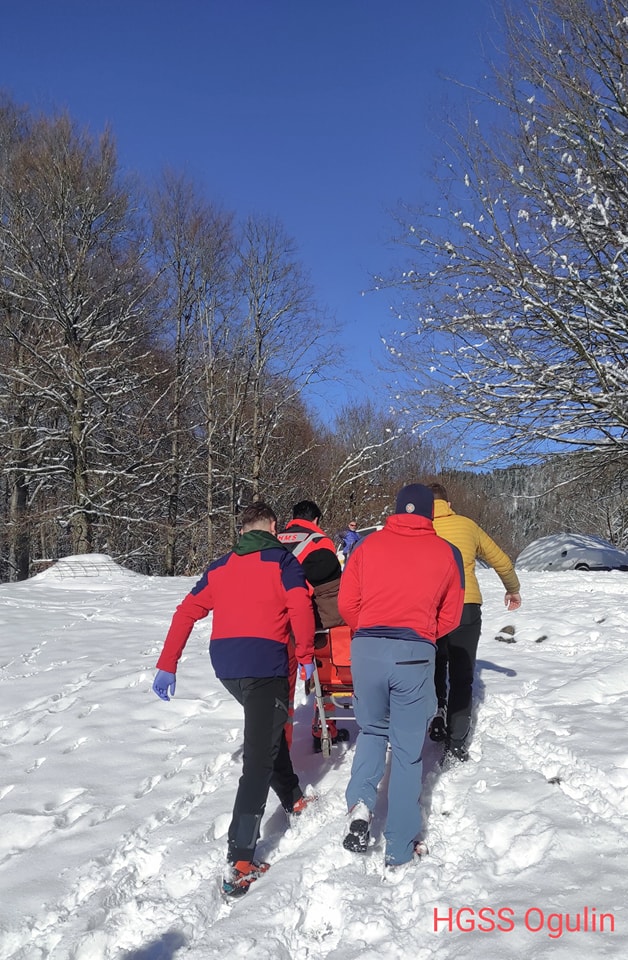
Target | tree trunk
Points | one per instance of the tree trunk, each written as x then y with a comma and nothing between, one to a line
81,523
19,546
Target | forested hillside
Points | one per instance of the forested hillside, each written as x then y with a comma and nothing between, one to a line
572,493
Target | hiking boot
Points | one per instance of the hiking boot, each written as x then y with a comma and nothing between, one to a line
398,869
459,751
301,804
455,752
438,726
357,839
420,849
240,875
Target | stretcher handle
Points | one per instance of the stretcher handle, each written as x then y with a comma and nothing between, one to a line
325,737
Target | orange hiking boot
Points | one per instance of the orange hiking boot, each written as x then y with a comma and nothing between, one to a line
240,875
300,805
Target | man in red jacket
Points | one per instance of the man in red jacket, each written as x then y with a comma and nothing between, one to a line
316,553
402,588
259,598
305,539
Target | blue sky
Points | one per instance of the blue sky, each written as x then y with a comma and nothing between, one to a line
322,114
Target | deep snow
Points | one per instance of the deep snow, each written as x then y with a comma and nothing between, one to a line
114,805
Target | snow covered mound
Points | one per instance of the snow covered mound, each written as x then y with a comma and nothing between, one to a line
93,565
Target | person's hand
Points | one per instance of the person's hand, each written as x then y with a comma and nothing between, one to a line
163,683
305,671
512,601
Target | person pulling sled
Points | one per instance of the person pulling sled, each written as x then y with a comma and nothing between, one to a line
314,550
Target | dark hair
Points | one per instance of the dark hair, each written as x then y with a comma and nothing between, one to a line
306,510
439,491
252,514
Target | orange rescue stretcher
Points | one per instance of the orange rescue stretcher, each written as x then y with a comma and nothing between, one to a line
332,684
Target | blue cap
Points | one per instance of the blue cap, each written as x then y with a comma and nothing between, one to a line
417,500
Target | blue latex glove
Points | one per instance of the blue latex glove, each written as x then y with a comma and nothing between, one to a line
305,671
163,683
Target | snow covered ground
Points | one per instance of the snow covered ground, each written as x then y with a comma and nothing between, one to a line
114,806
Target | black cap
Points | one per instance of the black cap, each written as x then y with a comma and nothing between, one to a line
417,500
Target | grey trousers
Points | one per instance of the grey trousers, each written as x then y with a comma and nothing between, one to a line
393,682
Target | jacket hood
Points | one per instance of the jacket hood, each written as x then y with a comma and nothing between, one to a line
254,540
442,509
406,524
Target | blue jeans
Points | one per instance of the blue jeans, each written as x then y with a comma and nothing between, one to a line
394,699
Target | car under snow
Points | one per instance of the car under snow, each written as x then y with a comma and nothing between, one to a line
572,551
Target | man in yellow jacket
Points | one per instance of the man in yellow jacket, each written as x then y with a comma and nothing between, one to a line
456,652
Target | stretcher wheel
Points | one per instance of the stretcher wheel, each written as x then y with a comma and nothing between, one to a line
326,748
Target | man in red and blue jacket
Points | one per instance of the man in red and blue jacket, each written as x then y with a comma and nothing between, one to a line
260,602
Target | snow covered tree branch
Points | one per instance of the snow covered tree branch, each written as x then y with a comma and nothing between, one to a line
516,291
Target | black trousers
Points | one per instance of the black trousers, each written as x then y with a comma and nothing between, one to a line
266,759
455,656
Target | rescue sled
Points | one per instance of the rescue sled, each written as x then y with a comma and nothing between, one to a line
332,684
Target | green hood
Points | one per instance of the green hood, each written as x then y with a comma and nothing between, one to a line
254,540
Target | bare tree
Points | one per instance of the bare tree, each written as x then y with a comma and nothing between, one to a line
191,245
369,457
74,290
17,405
281,346
517,288
18,417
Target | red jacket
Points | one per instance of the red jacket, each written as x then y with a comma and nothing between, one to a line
259,599
314,550
405,580
316,553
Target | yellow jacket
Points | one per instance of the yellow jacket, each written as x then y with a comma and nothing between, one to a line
473,542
